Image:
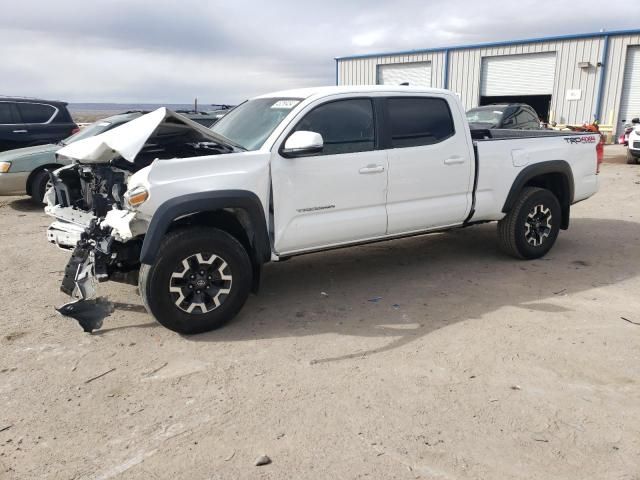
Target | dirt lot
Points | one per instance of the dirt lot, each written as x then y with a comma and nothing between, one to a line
432,357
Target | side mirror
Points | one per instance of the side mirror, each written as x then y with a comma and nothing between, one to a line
635,120
302,143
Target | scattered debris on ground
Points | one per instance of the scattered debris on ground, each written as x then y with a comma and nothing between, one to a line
262,460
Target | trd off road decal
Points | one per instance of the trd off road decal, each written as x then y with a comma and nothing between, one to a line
575,140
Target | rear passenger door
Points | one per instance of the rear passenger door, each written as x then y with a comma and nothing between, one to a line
11,131
430,164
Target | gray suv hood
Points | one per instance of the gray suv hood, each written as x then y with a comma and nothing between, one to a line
127,140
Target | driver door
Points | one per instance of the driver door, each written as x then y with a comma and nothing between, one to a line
336,196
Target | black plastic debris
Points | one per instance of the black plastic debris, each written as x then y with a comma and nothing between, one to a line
89,313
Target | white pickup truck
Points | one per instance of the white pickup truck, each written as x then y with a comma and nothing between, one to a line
192,214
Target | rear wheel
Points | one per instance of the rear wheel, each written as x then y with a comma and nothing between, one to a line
631,159
38,187
531,227
201,279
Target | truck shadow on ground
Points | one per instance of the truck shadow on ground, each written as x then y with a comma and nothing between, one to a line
405,289
26,205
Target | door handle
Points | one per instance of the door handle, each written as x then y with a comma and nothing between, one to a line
454,160
372,169
20,131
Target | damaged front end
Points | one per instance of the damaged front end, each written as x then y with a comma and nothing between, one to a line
92,219
95,202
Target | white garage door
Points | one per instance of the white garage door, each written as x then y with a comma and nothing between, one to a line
630,103
529,74
416,74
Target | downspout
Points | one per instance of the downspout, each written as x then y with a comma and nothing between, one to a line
446,69
598,114
336,71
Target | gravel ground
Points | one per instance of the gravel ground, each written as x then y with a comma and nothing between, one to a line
432,357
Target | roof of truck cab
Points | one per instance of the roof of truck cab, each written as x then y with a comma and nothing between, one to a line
333,90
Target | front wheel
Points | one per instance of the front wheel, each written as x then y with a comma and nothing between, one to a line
201,279
531,227
631,159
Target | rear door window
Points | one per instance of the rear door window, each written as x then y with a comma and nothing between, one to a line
418,121
35,112
346,126
8,114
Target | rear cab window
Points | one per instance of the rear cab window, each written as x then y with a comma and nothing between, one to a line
417,121
35,112
346,126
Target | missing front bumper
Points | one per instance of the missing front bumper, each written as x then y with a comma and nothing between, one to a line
79,282
66,232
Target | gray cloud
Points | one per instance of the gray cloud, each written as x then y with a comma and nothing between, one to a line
164,51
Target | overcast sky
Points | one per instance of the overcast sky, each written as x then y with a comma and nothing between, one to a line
224,52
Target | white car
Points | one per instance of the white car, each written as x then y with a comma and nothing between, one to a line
633,148
191,215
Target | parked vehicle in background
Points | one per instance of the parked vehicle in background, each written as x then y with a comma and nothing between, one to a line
633,145
25,122
192,220
24,170
512,116
206,118
623,139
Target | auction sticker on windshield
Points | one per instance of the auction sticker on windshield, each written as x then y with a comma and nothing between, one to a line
285,104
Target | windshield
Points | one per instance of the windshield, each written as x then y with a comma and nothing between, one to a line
89,131
250,124
485,115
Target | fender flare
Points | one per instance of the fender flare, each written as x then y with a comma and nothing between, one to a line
537,169
185,205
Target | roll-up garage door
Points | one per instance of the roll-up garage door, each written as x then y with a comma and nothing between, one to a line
630,103
527,74
416,74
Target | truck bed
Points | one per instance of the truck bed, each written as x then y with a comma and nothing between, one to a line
504,134
503,154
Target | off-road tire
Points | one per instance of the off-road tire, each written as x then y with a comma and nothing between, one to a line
632,159
513,232
155,280
38,187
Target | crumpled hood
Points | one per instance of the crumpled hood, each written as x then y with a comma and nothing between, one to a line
127,140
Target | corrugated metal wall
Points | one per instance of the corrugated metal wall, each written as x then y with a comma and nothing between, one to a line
363,71
612,93
466,65
465,73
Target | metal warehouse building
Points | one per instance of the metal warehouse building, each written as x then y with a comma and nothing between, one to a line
570,79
